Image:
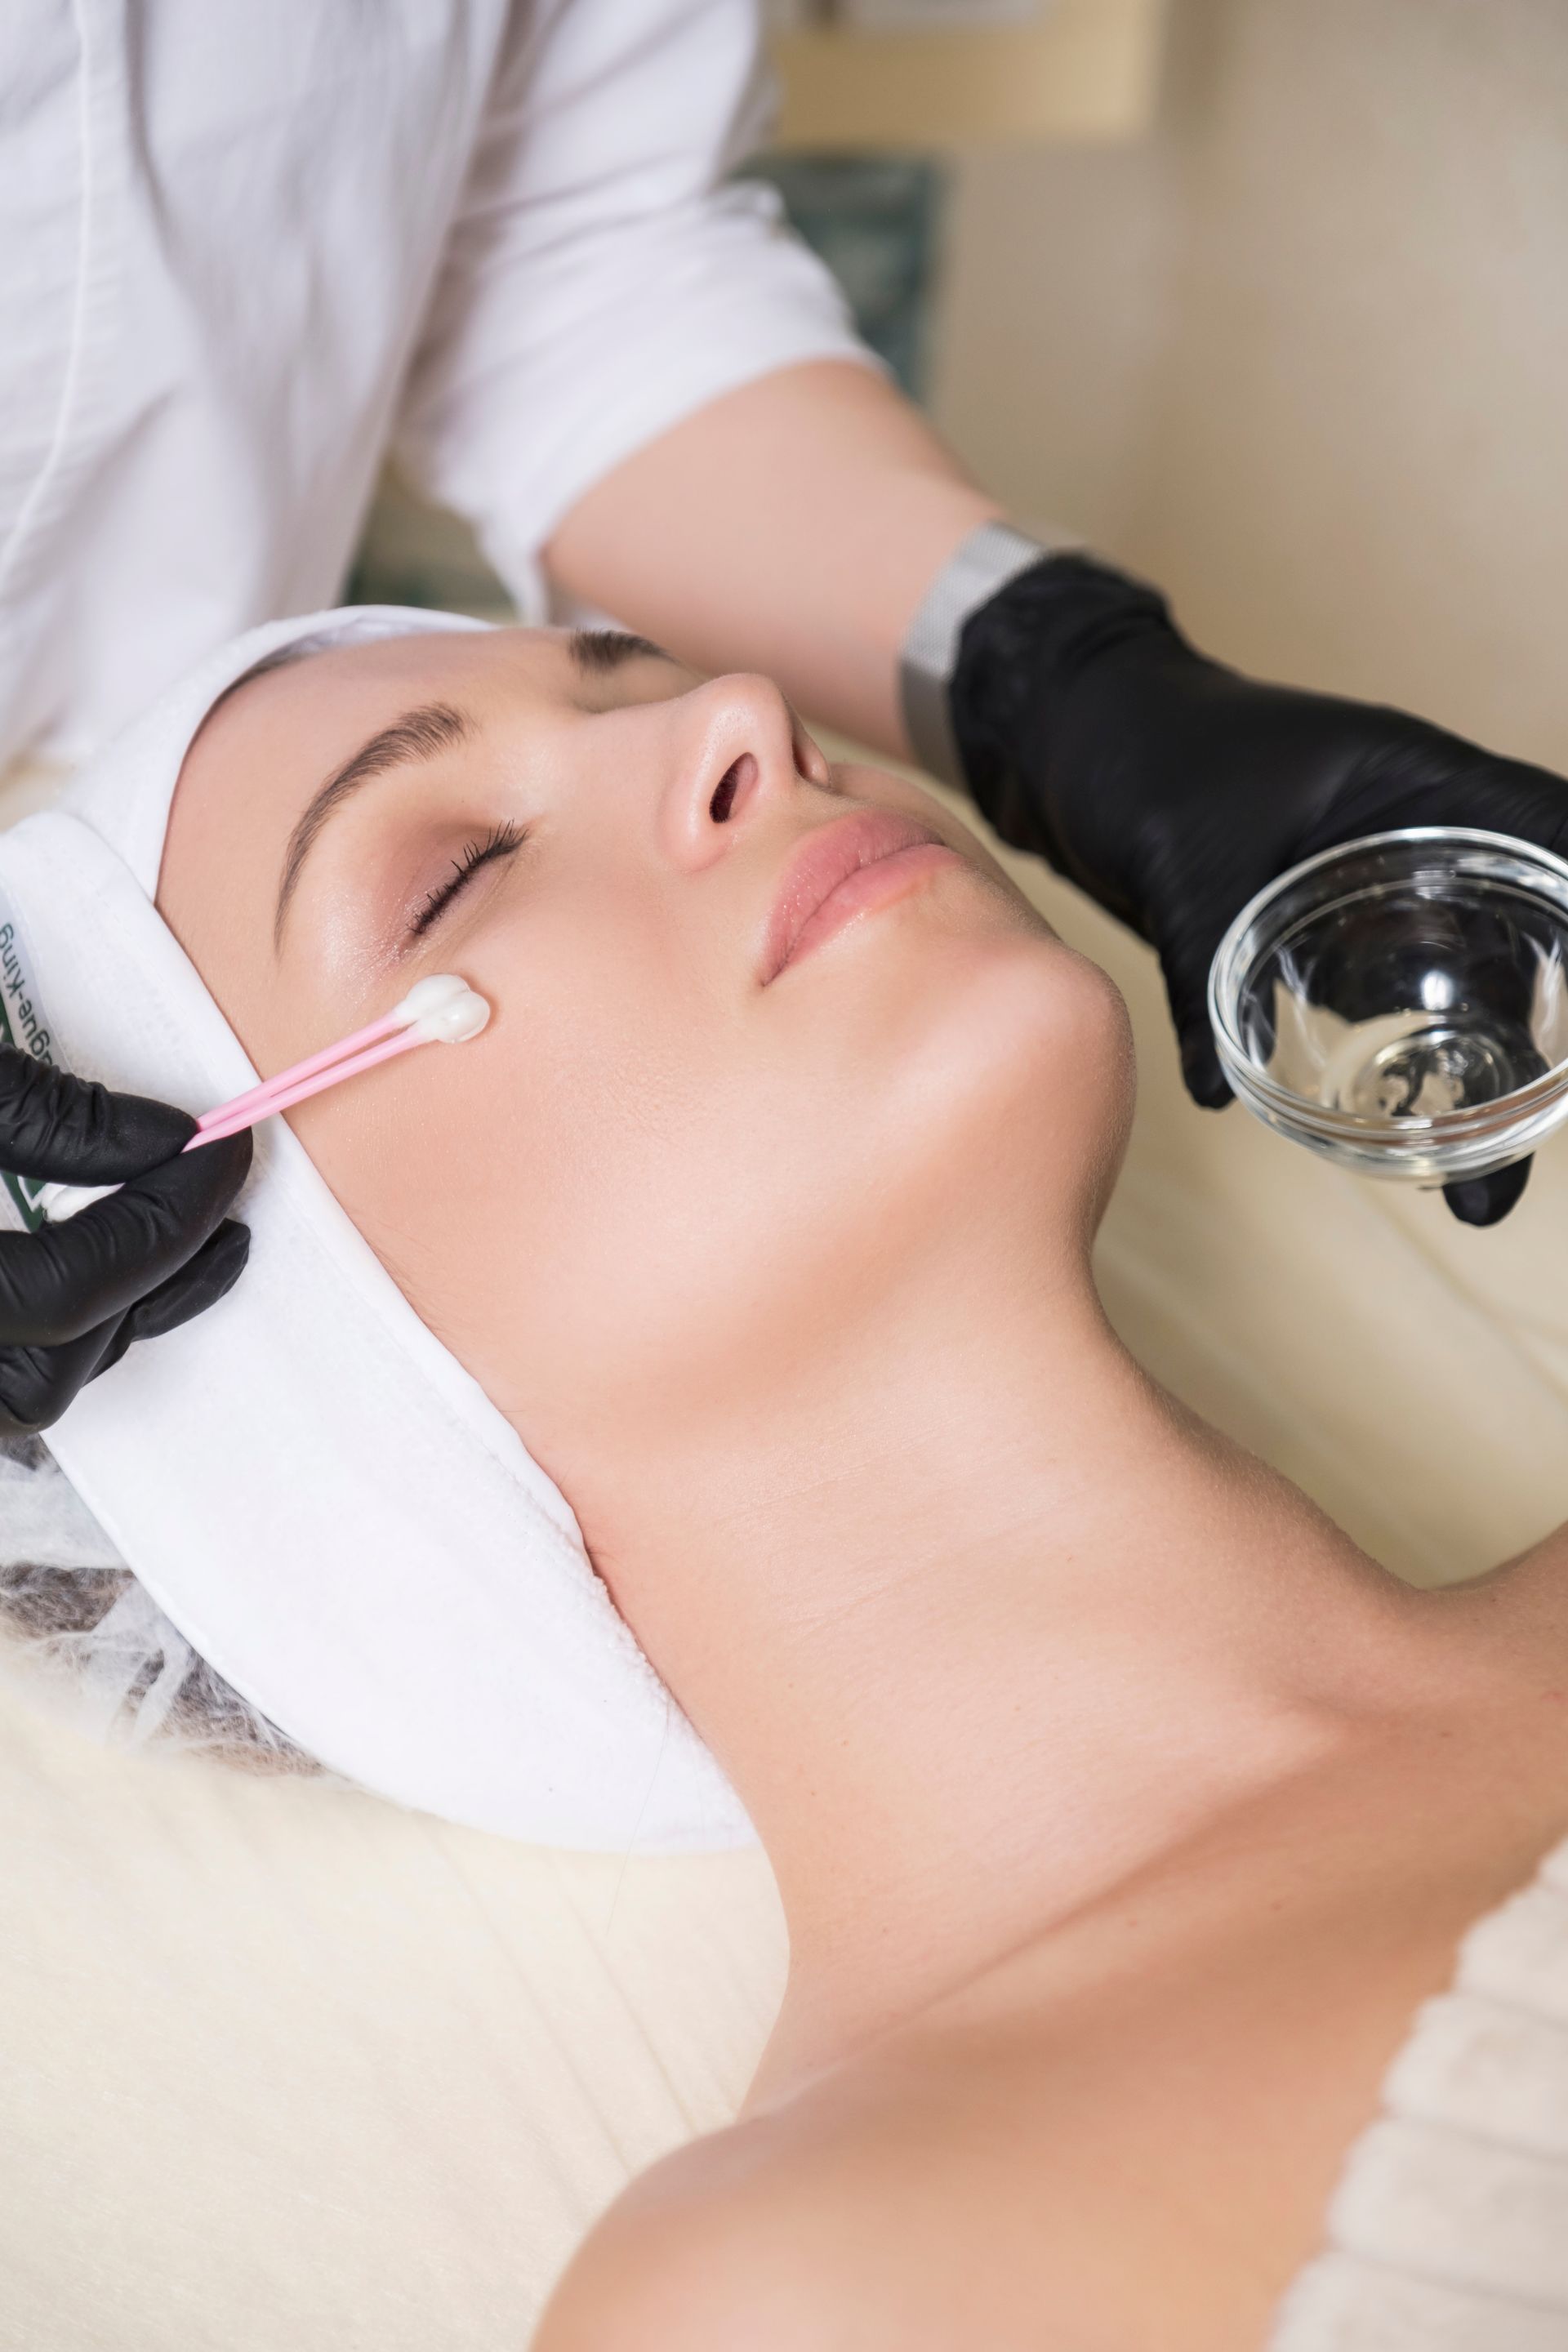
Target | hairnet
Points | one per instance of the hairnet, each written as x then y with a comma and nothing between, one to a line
91,1639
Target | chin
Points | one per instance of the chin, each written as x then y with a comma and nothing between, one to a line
1019,1075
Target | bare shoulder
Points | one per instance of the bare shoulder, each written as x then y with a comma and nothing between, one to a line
883,2208
721,2244
1127,2136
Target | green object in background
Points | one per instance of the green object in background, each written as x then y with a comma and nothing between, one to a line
412,553
874,220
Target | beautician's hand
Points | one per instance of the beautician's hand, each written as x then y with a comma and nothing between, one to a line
74,1295
1172,789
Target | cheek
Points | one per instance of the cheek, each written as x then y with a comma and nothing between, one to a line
637,1198
714,1222
516,1187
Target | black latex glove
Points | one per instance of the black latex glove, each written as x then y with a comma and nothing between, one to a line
1170,789
74,1295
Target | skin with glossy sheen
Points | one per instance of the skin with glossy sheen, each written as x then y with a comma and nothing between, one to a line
1122,1810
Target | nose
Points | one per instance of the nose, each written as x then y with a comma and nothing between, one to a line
740,750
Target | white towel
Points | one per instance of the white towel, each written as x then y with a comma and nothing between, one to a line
1449,2229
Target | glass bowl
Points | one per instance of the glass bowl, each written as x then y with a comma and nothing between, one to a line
1400,1004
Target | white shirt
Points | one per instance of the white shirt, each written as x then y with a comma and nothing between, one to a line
246,247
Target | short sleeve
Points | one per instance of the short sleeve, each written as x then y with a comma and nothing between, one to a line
603,278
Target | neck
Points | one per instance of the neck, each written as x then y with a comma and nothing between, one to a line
981,1637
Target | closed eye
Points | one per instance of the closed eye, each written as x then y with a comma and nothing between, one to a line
502,841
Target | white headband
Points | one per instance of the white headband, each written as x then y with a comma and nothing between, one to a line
312,1490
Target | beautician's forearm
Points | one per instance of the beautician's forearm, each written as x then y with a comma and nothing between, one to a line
792,527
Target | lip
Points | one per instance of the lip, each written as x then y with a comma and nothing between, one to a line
830,857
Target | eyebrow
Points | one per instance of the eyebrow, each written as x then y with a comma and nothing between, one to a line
597,651
424,734
421,734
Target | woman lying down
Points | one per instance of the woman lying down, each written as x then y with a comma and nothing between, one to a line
684,1412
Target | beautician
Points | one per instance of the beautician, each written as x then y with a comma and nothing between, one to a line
254,246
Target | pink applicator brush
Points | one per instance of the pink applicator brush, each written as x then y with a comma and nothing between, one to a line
442,1010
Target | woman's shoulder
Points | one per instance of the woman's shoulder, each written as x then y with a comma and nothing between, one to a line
949,2186
852,2210
1129,2135
725,2242
982,2185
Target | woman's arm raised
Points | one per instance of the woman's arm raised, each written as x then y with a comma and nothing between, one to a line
791,526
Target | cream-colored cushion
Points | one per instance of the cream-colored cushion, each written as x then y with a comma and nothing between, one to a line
284,2066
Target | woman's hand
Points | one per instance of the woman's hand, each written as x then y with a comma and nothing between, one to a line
73,1296
1172,789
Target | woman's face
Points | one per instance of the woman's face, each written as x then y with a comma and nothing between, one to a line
668,1177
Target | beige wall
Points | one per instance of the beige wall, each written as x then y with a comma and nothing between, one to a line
1303,354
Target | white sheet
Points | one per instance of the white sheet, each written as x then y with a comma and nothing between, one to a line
283,2066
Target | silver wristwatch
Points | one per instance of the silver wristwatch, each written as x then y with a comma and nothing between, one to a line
981,565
